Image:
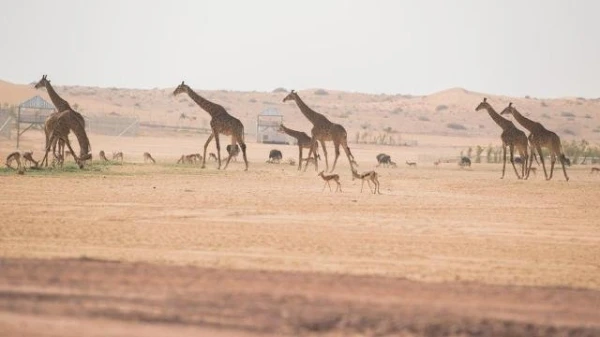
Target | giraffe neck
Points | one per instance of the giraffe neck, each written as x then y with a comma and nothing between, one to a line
59,103
525,122
213,109
313,116
501,121
292,133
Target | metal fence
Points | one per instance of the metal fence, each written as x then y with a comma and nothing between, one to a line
6,123
113,125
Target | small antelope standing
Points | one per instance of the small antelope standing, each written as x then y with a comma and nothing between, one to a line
118,156
370,176
329,178
148,157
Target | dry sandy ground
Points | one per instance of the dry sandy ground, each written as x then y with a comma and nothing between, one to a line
443,251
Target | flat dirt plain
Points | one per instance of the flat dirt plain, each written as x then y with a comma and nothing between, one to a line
153,250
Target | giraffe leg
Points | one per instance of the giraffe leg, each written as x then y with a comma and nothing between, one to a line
310,152
512,160
348,154
539,150
503,160
525,157
233,144
552,162
325,154
218,143
336,146
530,160
562,156
77,160
212,135
243,147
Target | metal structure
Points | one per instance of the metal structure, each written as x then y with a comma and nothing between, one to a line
34,112
267,125
113,125
5,124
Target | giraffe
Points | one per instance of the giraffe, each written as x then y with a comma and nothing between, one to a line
67,121
303,140
323,130
540,137
61,105
512,138
220,122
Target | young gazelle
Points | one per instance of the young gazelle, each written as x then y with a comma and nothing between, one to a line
148,157
330,177
595,170
118,156
370,176
103,155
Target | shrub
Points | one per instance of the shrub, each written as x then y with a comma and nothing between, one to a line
567,114
544,104
252,100
280,90
441,107
396,111
545,115
456,126
321,92
569,132
424,118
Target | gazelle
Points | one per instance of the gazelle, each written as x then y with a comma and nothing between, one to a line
148,157
370,176
118,156
329,178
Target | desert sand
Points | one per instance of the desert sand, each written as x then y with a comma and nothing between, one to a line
166,249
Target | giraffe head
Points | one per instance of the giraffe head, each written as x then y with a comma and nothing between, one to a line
508,110
43,82
483,105
291,96
182,88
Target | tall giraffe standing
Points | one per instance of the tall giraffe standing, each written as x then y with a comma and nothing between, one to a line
221,122
303,140
62,105
511,138
540,137
323,130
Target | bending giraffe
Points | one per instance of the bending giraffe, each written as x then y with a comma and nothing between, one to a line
220,122
512,138
540,137
70,120
65,122
323,130
303,141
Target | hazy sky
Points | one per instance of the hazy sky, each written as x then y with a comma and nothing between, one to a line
542,48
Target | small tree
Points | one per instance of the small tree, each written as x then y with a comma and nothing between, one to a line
488,154
478,152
